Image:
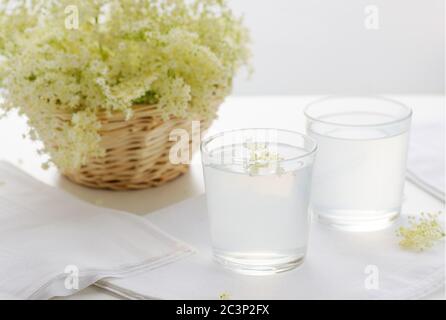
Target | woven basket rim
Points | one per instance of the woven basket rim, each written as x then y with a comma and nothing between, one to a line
152,110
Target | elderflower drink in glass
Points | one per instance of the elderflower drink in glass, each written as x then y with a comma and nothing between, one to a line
257,188
361,165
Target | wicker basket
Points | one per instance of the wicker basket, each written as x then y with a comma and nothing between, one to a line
137,151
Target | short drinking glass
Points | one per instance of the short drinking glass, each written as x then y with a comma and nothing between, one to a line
258,184
361,164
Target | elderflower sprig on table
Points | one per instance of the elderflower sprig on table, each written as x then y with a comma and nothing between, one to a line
224,296
180,55
261,157
422,233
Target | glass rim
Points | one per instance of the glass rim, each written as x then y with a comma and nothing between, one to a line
306,154
407,109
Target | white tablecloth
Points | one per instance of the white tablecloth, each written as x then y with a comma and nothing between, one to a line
339,265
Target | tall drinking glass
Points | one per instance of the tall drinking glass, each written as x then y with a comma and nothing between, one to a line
361,164
258,187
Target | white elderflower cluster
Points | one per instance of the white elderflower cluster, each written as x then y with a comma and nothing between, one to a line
177,54
422,233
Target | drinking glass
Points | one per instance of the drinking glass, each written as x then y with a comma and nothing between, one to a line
257,188
361,164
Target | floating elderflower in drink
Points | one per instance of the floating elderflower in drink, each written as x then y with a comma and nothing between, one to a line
261,157
257,186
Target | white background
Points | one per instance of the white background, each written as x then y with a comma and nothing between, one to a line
322,46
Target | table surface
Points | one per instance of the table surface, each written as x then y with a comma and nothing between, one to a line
283,112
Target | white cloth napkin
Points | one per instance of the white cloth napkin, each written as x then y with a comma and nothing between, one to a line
51,243
338,266
426,157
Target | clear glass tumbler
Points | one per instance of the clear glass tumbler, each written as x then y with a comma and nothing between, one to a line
258,185
361,165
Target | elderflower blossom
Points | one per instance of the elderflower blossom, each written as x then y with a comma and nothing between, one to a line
180,55
260,157
224,296
422,233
